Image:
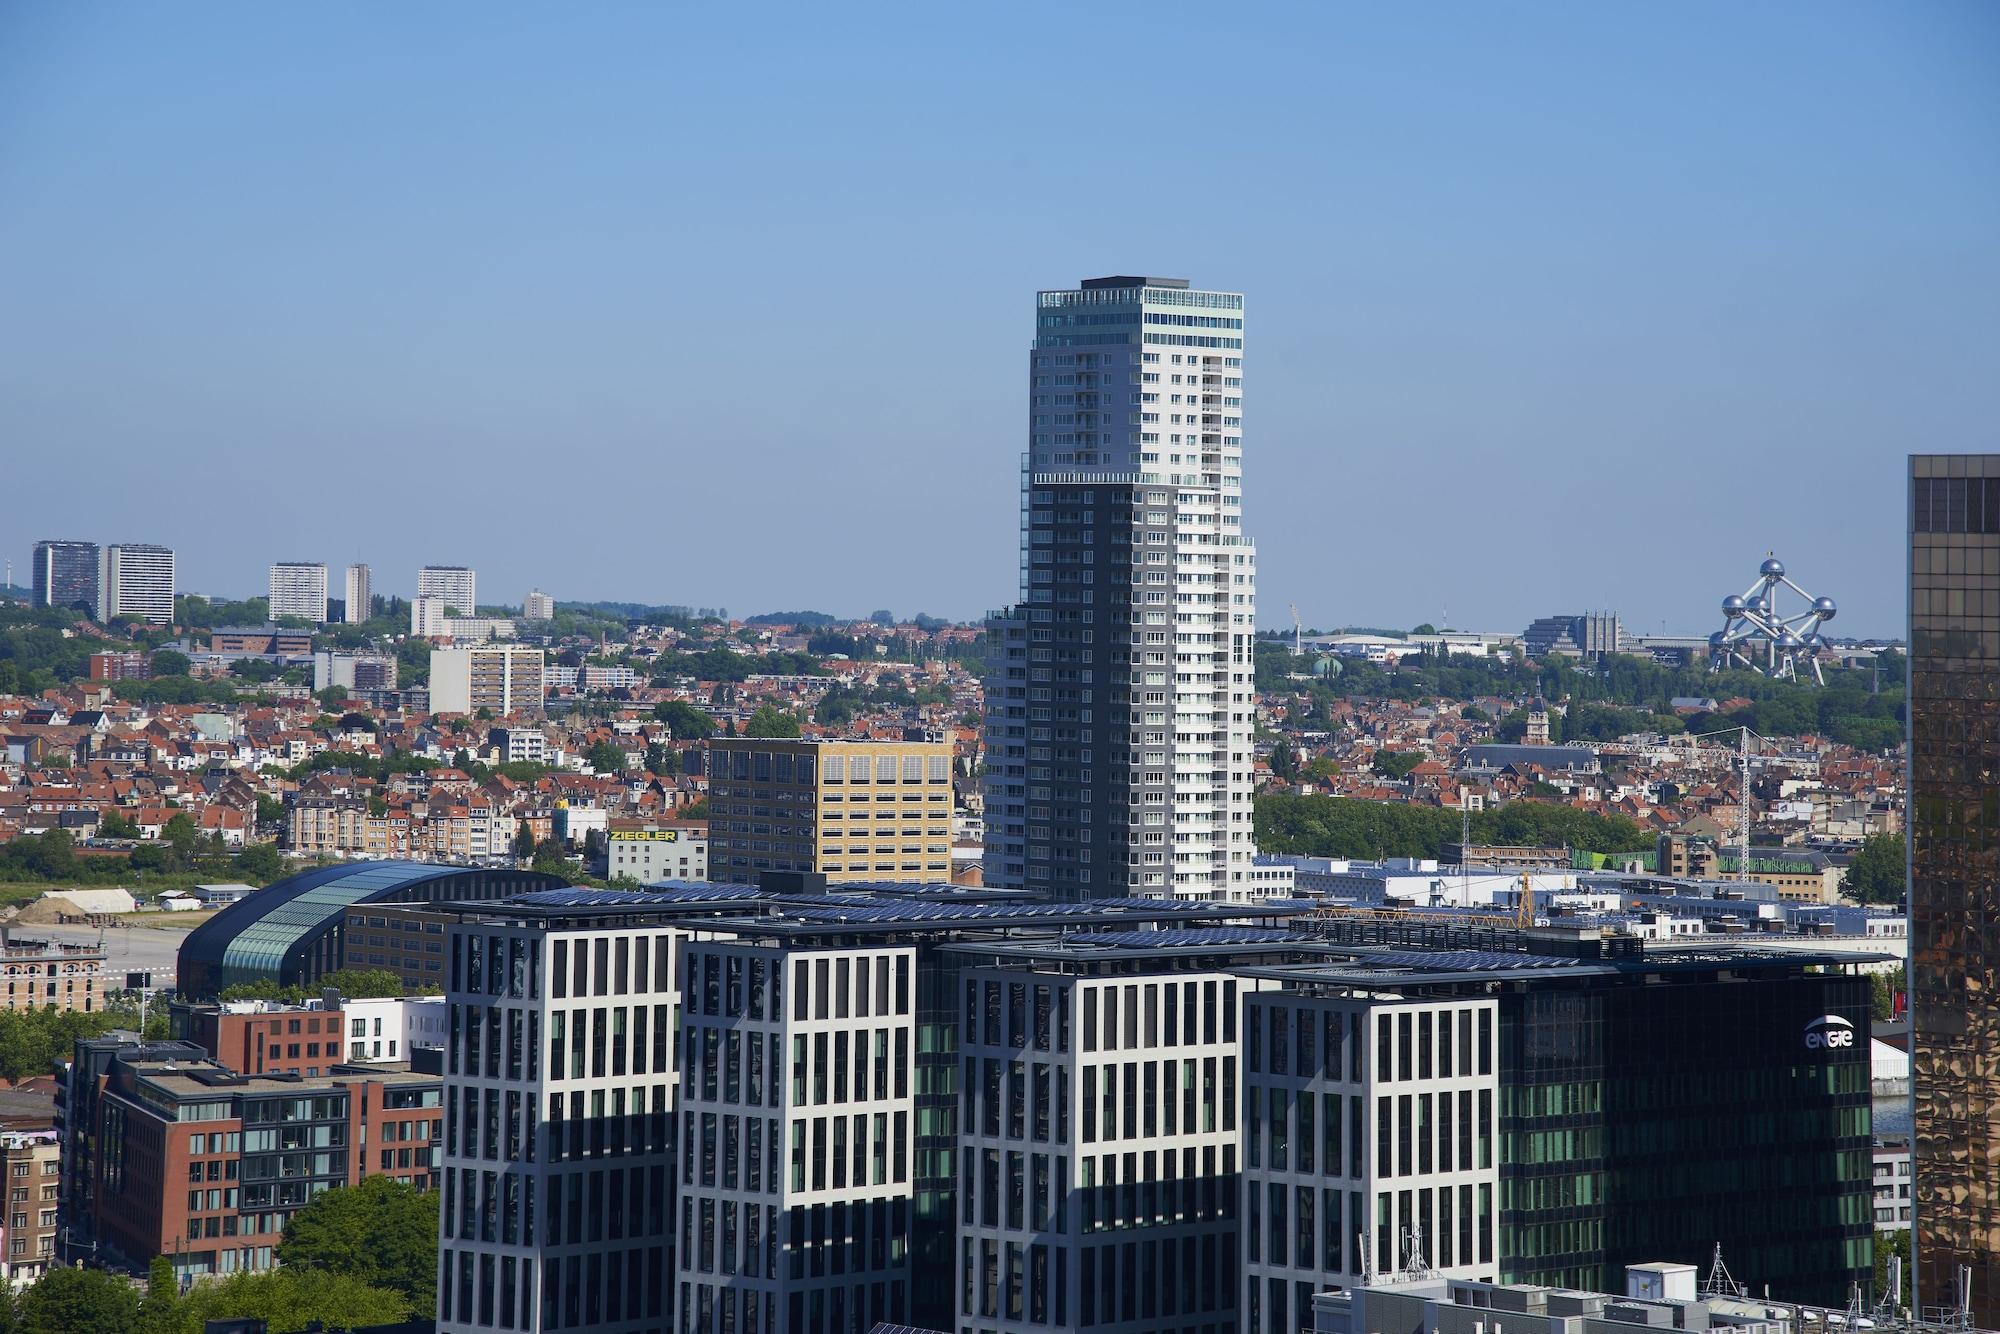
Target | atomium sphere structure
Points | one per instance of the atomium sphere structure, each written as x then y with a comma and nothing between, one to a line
1760,633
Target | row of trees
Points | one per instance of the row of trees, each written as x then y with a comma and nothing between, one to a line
1323,826
1620,694
181,849
359,1255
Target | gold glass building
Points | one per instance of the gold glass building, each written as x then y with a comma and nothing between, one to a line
1954,710
852,810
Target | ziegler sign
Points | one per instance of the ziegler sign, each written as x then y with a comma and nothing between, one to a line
1829,1032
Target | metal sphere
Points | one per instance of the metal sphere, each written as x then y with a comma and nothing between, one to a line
1824,608
1715,639
1732,606
1761,604
1772,568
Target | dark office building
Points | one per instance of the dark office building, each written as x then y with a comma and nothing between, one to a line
66,575
1549,1110
1954,895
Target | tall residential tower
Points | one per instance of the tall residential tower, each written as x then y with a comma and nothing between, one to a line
298,588
1118,723
359,597
454,583
1954,887
136,580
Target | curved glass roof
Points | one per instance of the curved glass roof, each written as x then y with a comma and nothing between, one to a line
260,935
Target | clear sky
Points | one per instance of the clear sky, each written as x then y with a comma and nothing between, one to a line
1550,306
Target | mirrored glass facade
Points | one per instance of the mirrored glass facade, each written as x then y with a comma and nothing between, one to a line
1954,706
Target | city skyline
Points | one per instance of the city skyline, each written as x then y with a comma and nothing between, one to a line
1696,352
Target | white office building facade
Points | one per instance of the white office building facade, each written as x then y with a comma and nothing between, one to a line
298,588
1120,697
1098,1152
1369,1143
797,1122
557,1204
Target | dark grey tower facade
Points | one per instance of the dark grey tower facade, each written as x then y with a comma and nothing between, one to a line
65,574
1954,887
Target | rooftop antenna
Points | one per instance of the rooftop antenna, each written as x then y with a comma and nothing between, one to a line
1719,1283
1367,1259
1892,1299
1416,1264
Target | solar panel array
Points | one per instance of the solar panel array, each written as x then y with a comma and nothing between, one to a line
862,910
1188,937
1459,961
637,898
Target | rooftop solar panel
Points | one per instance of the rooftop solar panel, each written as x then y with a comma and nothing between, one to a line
1185,937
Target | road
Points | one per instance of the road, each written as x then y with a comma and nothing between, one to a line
128,948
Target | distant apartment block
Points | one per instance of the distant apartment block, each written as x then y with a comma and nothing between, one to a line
32,1162
1591,635
651,853
538,606
136,580
259,641
520,745
453,583
503,678
594,677
298,588
353,671
65,574
430,618
359,594
851,810
120,666
44,974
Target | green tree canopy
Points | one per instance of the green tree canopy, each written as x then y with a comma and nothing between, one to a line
605,758
291,1299
78,1301
1396,764
1877,873
168,662
772,723
1323,826
684,721
381,1232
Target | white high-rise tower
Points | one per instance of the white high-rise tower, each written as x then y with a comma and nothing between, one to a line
360,595
1120,696
298,588
453,583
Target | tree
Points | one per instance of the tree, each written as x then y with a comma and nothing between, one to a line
1882,992
683,720
772,723
524,841
260,861
551,858
365,983
115,825
1395,764
1284,761
1425,629
331,696
160,1309
168,662
1876,875
661,761
605,758
184,838
381,1232
78,1301
297,1299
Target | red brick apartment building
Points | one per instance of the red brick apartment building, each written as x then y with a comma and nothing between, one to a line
205,1166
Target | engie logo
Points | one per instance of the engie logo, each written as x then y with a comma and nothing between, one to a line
1829,1031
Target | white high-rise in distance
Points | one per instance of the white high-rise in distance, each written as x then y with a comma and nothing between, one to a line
136,580
453,583
1120,697
360,595
298,588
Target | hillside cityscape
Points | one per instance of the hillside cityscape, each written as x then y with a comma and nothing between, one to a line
289,857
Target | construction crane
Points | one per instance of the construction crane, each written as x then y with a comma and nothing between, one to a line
1524,911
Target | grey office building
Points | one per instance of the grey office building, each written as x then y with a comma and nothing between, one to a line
65,574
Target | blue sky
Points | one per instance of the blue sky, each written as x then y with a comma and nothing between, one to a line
1550,306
